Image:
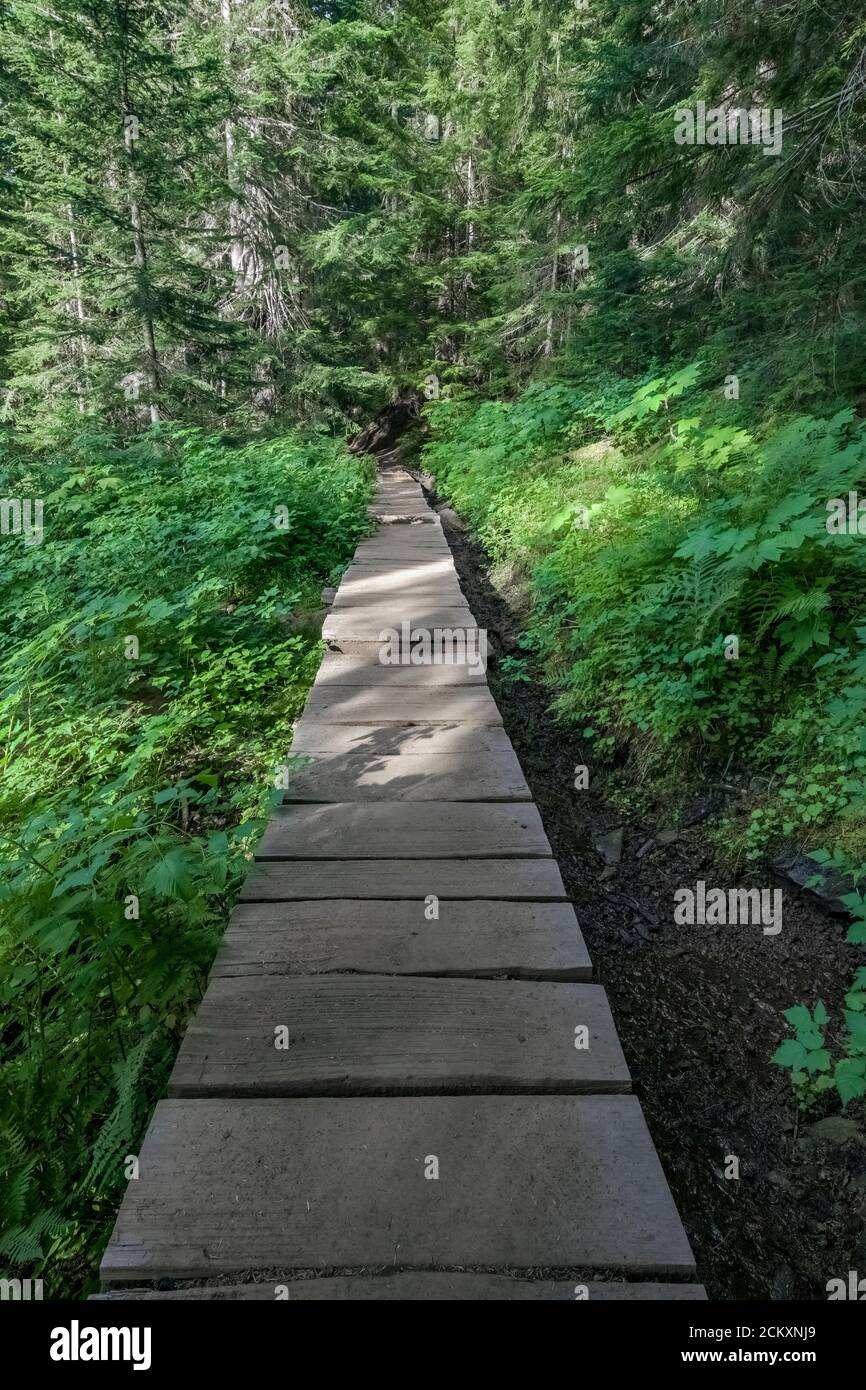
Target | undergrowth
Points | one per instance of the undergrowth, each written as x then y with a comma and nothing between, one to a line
149,674
694,601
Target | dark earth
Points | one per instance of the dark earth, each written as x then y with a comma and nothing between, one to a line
698,1008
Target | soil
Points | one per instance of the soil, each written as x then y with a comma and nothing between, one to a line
698,1008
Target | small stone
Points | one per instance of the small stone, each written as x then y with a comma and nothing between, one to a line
609,846
835,1129
450,518
778,1179
831,887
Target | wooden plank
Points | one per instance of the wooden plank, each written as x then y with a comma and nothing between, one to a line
482,939
364,668
403,543
379,622
514,880
395,498
403,492
400,514
524,1182
428,608
427,533
376,705
427,777
438,594
318,736
351,1035
422,1286
314,736
422,533
415,568
405,830
402,497
400,487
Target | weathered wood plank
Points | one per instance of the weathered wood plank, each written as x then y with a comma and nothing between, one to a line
514,880
428,777
421,542
401,494
429,595
523,1182
482,939
405,830
364,668
390,488
397,498
379,621
425,1286
396,513
350,1035
407,487
406,483
421,533
414,568
388,740
376,705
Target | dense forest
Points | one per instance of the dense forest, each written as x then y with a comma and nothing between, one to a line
235,233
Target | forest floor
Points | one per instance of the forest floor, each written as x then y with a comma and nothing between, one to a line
698,1009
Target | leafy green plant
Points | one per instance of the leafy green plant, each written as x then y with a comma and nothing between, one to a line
514,669
813,1068
682,542
135,776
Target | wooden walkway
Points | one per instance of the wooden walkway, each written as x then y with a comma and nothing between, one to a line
401,1083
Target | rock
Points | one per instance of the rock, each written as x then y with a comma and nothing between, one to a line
450,518
835,1129
778,1179
609,846
328,596
799,868
427,481
609,872
667,837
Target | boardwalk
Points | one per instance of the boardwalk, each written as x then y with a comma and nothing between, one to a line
401,1082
